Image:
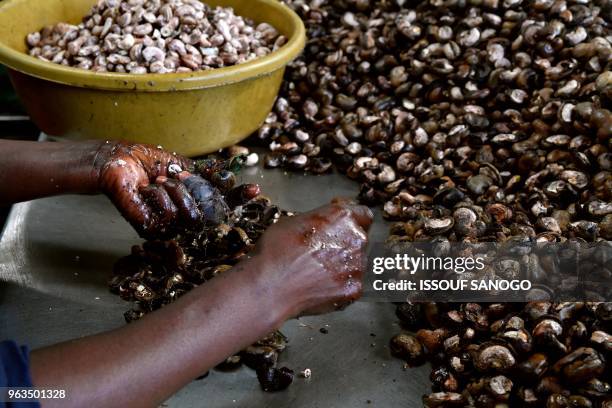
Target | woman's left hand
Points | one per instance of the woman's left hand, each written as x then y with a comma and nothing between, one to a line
138,180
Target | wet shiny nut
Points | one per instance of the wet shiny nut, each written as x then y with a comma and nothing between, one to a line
408,348
274,379
581,365
494,356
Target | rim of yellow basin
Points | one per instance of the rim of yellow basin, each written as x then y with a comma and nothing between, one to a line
49,71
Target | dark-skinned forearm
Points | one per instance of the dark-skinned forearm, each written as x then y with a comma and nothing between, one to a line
30,170
142,364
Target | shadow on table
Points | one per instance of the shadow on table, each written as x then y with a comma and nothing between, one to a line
73,265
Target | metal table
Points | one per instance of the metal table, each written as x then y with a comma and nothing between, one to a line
56,255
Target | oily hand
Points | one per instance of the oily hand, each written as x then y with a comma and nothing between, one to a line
136,178
315,261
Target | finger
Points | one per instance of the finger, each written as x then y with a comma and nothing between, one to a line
353,289
188,212
164,210
136,211
130,204
362,215
201,189
350,292
209,199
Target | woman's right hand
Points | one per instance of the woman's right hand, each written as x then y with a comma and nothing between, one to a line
314,263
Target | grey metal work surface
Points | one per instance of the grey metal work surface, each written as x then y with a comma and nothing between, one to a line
56,255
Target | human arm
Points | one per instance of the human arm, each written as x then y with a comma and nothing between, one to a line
127,173
318,268
30,170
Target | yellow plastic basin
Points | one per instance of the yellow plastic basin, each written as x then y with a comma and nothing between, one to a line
189,113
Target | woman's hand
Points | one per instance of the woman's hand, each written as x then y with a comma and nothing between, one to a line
136,178
311,263
314,263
